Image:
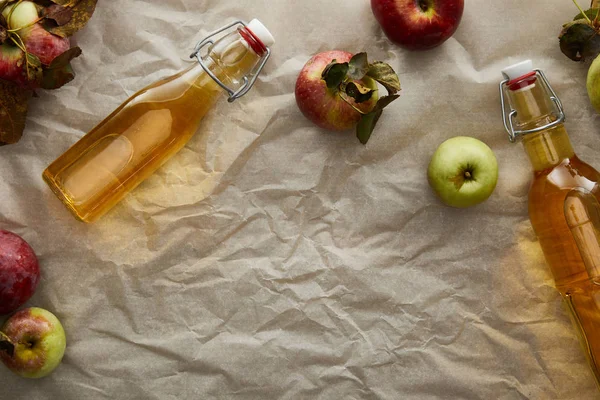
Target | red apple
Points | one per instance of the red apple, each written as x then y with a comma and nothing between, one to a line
32,343
418,24
19,272
323,106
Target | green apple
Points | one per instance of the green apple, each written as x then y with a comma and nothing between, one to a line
32,342
463,171
25,14
593,83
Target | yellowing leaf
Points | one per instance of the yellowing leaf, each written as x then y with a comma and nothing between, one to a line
82,12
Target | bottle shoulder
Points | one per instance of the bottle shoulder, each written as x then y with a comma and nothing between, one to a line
568,174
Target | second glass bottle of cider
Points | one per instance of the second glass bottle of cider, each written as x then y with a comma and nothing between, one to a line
564,205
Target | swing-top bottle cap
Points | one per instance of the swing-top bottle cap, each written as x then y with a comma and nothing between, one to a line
518,70
261,32
522,77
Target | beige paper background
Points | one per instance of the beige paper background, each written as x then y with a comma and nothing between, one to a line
316,268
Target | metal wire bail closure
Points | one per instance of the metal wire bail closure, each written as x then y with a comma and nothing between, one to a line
508,117
248,80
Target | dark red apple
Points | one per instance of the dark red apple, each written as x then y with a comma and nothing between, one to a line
323,106
19,272
418,24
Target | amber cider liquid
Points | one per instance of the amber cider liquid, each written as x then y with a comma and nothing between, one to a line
142,134
557,171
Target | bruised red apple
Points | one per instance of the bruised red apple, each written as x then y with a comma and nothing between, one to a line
32,343
418,24
323,106
19,272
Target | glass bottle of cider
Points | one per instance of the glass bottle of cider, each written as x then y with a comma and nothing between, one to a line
156,122
564,199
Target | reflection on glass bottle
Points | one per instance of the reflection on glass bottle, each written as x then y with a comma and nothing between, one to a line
563,199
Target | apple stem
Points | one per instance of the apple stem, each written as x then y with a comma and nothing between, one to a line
583,12
468,175
6,344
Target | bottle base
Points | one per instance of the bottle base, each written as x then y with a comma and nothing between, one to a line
62,197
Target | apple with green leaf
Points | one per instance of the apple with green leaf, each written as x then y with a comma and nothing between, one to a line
463,172
32,343
338,91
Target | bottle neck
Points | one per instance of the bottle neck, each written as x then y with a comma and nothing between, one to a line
534,107
548,148
230,59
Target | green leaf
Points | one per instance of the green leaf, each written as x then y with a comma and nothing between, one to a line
13,110
60,71
366,125
334,74
385,75
591,14
358,92
82,12
579,41
358,66
384,101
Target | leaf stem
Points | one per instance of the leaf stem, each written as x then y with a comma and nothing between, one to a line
23,48
583,12
26,26
19,44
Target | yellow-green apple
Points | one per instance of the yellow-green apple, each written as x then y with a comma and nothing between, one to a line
32,343
463,171
593,83
19,272
324,106
418,24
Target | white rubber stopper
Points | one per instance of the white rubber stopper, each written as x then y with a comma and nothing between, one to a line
261,32
517,70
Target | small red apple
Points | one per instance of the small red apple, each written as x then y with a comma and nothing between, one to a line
19,272
418,24
32,343
323,106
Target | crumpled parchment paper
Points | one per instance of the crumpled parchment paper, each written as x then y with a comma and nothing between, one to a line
270,259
